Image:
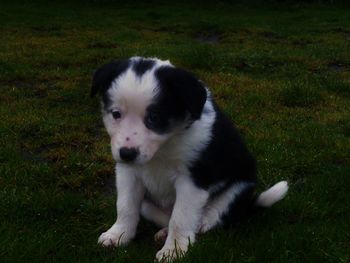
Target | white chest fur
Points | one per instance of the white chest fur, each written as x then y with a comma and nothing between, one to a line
158,180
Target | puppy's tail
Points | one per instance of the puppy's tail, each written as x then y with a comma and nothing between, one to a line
272,195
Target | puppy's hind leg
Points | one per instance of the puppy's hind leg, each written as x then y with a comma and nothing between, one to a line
154,214
220,209
158,216
161,235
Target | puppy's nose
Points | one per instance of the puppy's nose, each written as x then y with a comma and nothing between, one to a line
128,154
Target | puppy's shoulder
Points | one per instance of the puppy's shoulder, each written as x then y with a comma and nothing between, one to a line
225,159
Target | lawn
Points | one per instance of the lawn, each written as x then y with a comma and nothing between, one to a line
281,72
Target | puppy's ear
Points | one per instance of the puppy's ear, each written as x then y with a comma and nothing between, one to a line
104,76
190,91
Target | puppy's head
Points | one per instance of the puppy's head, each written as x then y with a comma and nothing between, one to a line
144,103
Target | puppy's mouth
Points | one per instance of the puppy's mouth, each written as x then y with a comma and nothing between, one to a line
141,159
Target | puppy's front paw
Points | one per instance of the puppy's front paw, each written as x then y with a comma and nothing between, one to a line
205,226
113,237
170,253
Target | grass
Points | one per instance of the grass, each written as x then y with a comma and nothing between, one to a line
280,71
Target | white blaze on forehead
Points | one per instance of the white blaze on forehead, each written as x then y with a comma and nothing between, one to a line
133,92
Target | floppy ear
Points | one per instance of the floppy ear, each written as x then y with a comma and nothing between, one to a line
186,87
104,76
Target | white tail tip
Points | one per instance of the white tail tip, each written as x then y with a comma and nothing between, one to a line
272,195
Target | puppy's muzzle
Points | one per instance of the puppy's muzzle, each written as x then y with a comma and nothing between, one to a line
128,154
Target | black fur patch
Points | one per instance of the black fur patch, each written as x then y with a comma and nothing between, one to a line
240,207
225,159
158,118
142,65
104,76
183,88
180,96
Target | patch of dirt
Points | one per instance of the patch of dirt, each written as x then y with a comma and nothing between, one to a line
29,86
37,154
108,184
93,60
175,29
208,38
30,132
242,65
46,147
47,30
339,66
74,178
30,156
40,93
22,84
154,15
271,35
59,101
301,42
342,30
96,131
101,45
32,148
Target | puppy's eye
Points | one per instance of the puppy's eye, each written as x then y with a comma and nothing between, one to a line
116,114
153,118
156,121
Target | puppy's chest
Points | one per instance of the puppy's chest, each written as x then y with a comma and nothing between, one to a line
159,182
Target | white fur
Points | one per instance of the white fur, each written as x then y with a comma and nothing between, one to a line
130,194
273,194
185,218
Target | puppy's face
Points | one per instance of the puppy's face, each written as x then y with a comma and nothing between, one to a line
144,103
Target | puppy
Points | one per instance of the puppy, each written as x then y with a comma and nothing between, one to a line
180,161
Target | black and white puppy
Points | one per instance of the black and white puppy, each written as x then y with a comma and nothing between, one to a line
180,161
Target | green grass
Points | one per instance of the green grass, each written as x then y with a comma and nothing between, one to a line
281,72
